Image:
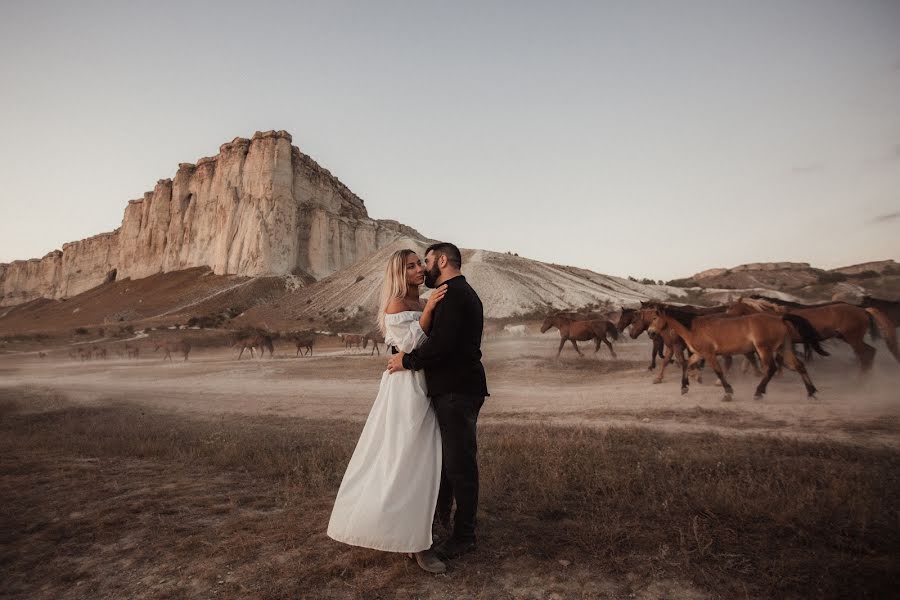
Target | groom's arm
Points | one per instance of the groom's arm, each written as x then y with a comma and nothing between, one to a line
448,318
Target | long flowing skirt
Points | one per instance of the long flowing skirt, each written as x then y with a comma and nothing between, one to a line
387,497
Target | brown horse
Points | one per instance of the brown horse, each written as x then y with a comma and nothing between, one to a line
351,339
304,342
131,351
179,346
247,342
768,335
833,320
672,343
376,338
581,331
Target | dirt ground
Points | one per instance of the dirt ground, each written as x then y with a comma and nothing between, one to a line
239,459
526,381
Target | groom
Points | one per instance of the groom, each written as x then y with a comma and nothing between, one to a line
451,357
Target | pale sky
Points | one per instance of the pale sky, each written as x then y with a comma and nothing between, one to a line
652,139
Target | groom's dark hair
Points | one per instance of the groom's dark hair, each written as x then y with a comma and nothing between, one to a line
454,257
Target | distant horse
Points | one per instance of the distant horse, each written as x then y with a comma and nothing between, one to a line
178,346
99,352
833,320
304,342
351,339
244,343
131,351
263,342
376,338
581,331
768,335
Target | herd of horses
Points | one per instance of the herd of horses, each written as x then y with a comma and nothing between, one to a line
763,330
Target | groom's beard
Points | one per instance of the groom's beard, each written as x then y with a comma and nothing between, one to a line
432,276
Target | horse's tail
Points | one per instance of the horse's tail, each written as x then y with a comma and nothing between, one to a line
887,329
807,332
612,330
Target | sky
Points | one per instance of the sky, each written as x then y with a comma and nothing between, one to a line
646,138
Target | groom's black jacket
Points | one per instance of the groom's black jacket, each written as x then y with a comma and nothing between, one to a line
451,356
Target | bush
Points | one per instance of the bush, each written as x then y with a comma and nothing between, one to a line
81,331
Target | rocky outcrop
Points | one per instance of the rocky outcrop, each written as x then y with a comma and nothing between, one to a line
882,267
259,207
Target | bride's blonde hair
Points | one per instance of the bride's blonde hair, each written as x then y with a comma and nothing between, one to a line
394,285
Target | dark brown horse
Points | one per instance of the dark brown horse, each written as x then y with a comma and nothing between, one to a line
767,335
839,320
628,317
581,331
304,343
889,308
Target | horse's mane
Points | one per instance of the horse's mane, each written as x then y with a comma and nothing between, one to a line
762,304
685,317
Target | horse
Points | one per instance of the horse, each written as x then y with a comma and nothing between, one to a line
99,352
168,346
768,335
244,343
581,331
627,318
833,320
264,342
131,351
351,339
376,338
304,342
889,308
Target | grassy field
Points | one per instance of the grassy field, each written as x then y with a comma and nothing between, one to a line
121,501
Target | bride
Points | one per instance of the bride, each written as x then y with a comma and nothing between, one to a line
388,495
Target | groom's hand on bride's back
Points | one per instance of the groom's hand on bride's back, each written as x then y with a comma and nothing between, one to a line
395,362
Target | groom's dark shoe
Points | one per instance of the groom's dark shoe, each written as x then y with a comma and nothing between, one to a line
454,547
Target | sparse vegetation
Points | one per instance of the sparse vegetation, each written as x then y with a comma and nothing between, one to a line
748,516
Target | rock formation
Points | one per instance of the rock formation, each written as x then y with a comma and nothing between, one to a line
259,207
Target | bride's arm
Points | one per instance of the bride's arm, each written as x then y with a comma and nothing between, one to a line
428,312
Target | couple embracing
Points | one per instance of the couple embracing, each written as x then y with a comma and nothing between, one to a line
417,451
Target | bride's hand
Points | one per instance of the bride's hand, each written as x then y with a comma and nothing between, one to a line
436,296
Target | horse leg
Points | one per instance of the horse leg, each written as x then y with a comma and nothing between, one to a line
562,342
795,364
667,358
714,363
864,352
657,349
766,357
574,345
609,344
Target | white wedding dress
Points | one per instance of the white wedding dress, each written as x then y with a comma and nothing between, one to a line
387,497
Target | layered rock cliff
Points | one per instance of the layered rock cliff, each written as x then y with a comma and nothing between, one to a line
259,207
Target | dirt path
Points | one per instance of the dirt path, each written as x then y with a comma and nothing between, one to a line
527,384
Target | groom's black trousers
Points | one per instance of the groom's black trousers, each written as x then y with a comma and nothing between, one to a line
457,416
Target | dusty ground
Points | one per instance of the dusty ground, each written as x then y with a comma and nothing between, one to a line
526,382
223,487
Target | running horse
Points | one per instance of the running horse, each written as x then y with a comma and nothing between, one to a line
180,346
768,335
629,316
573,331
839,320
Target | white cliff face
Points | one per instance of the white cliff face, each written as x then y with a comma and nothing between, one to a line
259,207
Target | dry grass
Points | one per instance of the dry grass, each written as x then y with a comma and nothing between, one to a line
119,501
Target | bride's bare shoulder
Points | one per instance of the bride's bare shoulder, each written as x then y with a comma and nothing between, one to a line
396,305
